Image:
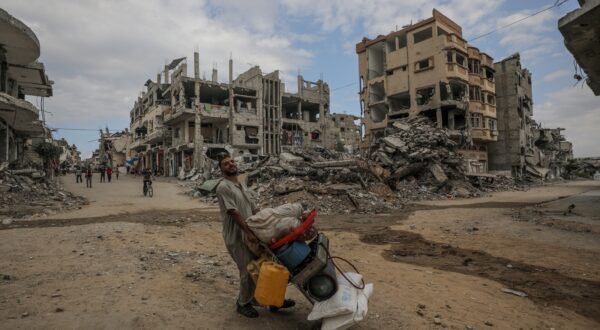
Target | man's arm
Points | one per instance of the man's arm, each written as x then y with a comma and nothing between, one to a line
237,217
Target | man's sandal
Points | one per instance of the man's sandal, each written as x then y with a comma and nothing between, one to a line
247,310
288,303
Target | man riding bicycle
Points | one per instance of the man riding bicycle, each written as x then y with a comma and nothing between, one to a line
147,175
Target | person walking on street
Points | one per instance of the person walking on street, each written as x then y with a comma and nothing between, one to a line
88,177
236,205
117,172
102,174
147,179
78,178
109,173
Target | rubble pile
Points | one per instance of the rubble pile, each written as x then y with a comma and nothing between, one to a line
587,168
27,192
414,154
415,161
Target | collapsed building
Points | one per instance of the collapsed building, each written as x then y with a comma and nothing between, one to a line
113,148
555,151
428,69
179,122
20,75
70,155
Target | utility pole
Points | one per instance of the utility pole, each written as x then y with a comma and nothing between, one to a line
198,139
231,100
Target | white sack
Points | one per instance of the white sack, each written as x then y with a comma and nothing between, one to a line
344,301
275,222
342,322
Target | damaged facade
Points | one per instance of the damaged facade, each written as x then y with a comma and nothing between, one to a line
179,122
70,156
20,75
581,31
515,149
428,69
524,148
113,148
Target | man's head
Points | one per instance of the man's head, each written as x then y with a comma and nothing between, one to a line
227,166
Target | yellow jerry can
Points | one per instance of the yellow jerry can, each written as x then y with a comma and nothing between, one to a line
253,267
272,282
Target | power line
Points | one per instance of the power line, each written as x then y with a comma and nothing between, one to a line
556,4
348,85
76,129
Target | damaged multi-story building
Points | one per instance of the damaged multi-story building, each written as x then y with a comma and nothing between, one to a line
515,150
428,69
524,147
70,156
180,121
20,75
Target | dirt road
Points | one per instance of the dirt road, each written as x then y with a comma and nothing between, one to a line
167,267
125,196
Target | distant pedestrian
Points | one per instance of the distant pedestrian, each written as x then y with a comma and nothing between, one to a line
117,172
88,177
109,173
102,174
78,178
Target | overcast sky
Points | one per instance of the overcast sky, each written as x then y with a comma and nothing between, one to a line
100,53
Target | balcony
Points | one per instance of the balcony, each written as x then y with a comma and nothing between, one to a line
178,115
214,110
456,71
475,79
487,60
155,136
453,41
138,145
488,85
484,135
20,114
476,106
489,110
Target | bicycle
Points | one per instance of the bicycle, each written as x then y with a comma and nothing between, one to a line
148,191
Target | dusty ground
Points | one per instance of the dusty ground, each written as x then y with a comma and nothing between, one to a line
131,262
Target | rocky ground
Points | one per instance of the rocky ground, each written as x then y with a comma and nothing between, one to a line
27,193
506,260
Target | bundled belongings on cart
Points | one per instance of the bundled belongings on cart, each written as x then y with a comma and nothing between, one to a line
271,224
283,231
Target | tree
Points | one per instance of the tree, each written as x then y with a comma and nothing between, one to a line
48,152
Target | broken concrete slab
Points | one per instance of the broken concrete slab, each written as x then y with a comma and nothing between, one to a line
288,187
401,126
335,163
394,142
210,185
438,173
288,157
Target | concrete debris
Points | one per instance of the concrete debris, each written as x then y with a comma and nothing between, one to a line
415,161
515,292
27,192
586,168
